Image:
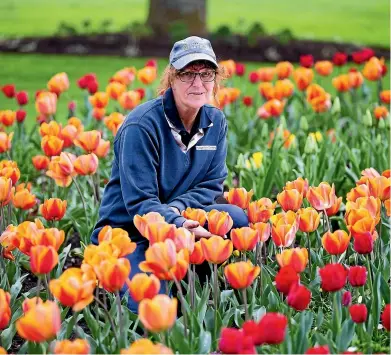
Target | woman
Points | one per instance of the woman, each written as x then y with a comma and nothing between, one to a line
169,154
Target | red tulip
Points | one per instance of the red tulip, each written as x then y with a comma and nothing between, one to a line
346,298
21,115
235,341
363,243
358,312
340,58
22,98
307,60
286,278
247,101
272,327
333,277
322,349
357,276
8,90
385,317
299,297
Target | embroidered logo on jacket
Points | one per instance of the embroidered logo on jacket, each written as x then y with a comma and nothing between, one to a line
205,147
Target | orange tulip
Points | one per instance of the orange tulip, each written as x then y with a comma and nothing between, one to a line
129,99
23,238
74,288
6,240
10,171
379,187
333,210
5,141
40,323
373,69
240,197
125,76
119,241
362,226
266,89
358,191
3,351
303,77
270,108
88,140
197,256
68,134
50,129
229,67
5,190
341,83
336,243
283,89
263,230
184,239
74,121
53,209
353,215
266,73
387,205
297,258
290,199
261,210
103,149
94,255
309,219
322,197
143,286
324,67
98,113
195,214
113,273
385,96
380,112
299,184
321,103
49,237
141,222
46,103
5,308
29,303
61,169
159,232
216,250
288,138
76,346
219,223
41,162
284,228
7,117
24,199
284,70
242,274
114,122
355,79
371,204
99,100
159,313
145,346
367,174
244,238
115,90
147,75
52,145
86,164
43,259
58,83
386,173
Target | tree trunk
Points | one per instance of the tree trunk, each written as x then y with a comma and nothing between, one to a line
177,18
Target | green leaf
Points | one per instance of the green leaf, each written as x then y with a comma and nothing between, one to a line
225,295
345,337
61,261
91,322
16,288
204,342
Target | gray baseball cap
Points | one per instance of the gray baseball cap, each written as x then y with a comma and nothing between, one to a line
191,49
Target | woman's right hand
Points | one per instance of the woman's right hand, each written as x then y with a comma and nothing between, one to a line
194,227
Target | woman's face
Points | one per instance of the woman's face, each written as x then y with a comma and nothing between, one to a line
193,92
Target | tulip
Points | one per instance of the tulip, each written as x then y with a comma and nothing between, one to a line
333,277
299,184
129,100
219,223
184,239
357,276
41,162
216,249
266,89
159,232
272,328
68,134
358,191
253,77
43,259
50,129
363,243
141,222
261,210
263,230
285,278
114,121
5,309
309,219
247,101
143,286
387,205
197,256
336,243
24,199
235,341
113,273
346,298
46,103
195,214
333,210
341,82
255,161
52,145
74,121
284,70
8,90
99,99
355,79
358,312
11,172
379,187
297,258
5,190
303,78
371,205
241,275
266,73
145,346
103,149
240,197
58,83
147,75
290,199
380,112
53,209
88,140
385,317
124,76
76,346
340,58
324,67
299,297
40,323
284,228
5,141
271,108
385,96
159,313
115,90
29,303
118,239
22,238
307,60
322,349
61,169
7,117
322,197
86,164
373,69
21,115
244,238
48,237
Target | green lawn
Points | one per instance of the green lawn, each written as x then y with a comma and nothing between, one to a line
364,22
31,72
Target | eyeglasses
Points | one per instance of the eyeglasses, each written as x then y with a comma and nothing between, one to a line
189,76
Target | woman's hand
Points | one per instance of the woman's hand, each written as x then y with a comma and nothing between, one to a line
194,227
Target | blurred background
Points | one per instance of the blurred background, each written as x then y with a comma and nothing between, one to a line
39,38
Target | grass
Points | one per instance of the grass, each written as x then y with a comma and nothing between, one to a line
361,22
31,72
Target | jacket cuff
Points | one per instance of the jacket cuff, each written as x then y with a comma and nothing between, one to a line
179,221
178,204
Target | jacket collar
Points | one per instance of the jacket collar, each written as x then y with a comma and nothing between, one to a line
172,114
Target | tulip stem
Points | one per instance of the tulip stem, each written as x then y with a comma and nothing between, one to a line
191,286
46,281
121,330
82,198
215,297
109,318
182,299
369,273
38,287
244,293
94,189
327,220
3,268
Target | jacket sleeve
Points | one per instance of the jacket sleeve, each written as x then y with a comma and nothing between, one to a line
137,156
205,192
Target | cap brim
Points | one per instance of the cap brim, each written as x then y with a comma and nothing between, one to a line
182,62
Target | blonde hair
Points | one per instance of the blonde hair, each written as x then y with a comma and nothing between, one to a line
170,72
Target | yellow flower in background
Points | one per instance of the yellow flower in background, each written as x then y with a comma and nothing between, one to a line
255,160
317,136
